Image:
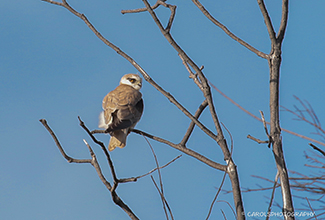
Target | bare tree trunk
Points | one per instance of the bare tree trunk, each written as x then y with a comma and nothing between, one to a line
275,132
274,61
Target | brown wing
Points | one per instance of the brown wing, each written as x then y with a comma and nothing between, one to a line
123,107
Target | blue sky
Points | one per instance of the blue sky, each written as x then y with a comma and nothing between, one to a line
52,66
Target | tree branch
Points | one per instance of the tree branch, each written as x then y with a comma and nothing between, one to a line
192,124
227,31
216,196
142,9
134,179
161,190
257,140
192,75
284,20
184,150
108,157
257,118
272,195
267,21
68,158
117,200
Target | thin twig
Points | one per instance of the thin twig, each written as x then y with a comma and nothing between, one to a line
311,208
153,180
231,139
216,196
272,195
142,9
257,140
233,211
162,196
223,214
266,130
134,179
257,118
192,75
192,124
315,123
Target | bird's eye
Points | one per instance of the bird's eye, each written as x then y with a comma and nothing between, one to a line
132,80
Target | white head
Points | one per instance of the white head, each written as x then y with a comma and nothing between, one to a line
133,80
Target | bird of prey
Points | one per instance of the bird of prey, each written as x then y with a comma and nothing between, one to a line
123,108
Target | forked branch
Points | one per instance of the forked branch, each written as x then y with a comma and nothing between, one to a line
117,200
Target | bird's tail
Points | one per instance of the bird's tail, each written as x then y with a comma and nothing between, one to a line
118,139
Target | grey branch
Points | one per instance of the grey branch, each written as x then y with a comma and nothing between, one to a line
184,150
267,21
227,31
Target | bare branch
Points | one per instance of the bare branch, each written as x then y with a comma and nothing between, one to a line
68,158
164,201
216,196
134,179
233,211
257,140
192,75
266,130
101,144
284,20
161,191
223,214
231,139
257,118
172,9
315,122
267,21
184,150
97,167
192,124
142,9
311,208
227,31
117,200
272,195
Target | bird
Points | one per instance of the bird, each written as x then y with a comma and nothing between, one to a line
123,109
